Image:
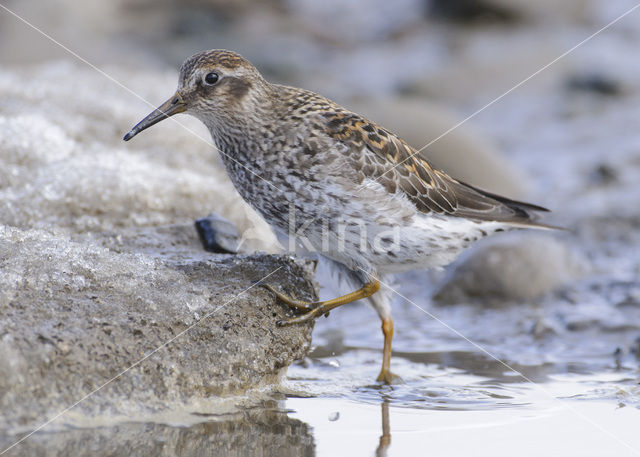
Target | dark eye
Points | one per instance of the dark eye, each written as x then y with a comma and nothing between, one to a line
211,78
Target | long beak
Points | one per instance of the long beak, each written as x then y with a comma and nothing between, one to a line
172,106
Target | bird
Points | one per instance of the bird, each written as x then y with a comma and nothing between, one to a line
341,185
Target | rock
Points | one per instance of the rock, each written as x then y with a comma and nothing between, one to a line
507,11
595,83
217,234
604,174
463,153
470,11
568,11
510,269
75,313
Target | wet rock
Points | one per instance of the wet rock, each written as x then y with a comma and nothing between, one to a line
78,312
512,269
631,300
217,234
470,11
543,10
604,175
544,327
595,83
506,11
635,349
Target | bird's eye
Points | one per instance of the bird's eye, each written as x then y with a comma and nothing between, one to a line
211,78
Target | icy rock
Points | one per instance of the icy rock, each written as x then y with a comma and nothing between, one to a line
76,313
510,269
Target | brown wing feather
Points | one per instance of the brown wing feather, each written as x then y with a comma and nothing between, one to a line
380,155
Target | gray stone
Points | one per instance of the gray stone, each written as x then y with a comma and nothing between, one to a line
77,311
512,268
218,234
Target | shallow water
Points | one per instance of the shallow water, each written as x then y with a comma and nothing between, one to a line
549,429
574,394
444,410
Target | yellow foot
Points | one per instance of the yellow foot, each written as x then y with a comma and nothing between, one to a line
314,313
312,308
320,308
297,304
386,377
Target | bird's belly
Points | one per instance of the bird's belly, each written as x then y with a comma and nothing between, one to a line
431,241
347,231
425,242
361,243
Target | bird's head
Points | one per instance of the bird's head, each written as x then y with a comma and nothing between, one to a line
212,84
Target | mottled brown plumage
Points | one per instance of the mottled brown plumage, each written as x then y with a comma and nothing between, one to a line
367,201
399,167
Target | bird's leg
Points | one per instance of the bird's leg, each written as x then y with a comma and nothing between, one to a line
385,375
324,307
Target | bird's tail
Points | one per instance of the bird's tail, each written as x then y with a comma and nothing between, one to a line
526,213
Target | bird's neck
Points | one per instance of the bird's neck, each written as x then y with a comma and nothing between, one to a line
242,142
239,132
237,139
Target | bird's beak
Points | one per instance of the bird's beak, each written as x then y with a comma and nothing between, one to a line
172,106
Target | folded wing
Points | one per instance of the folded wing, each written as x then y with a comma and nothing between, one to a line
377,154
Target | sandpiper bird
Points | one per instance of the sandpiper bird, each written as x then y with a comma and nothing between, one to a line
367,200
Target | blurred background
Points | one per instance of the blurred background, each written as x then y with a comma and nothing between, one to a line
417,66
564,308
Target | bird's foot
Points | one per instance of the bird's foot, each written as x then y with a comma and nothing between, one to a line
306,317
313,309
297,304
386,377
317,309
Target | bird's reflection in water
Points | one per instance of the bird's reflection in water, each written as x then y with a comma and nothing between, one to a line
385,438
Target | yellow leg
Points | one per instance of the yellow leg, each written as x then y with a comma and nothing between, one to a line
385,375
319,308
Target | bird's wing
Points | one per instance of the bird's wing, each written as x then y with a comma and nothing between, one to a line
379,155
